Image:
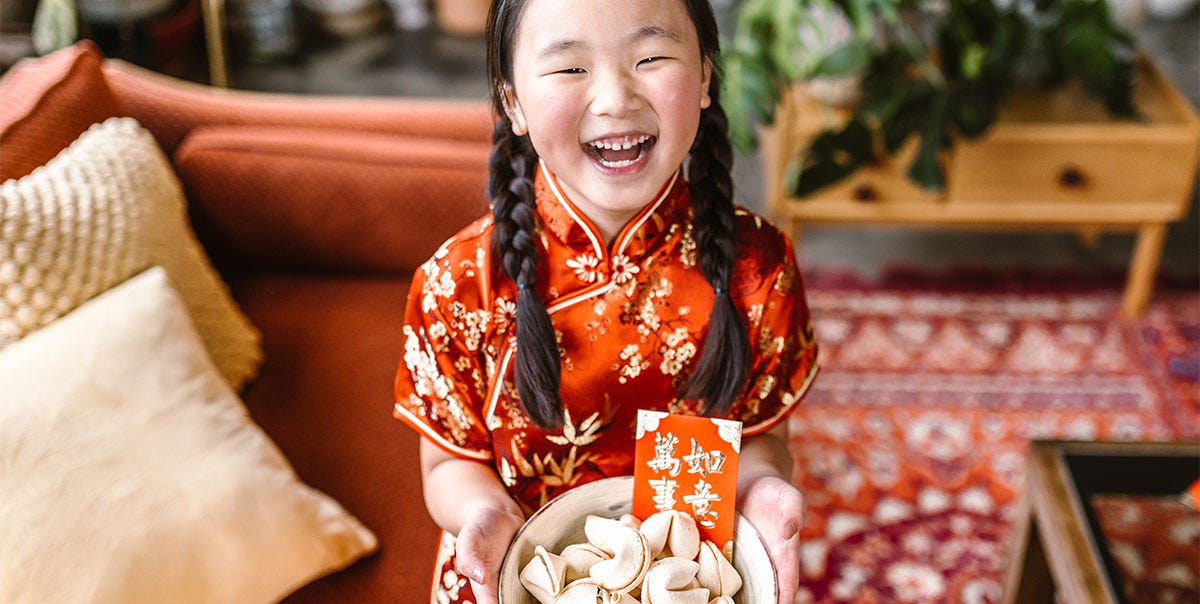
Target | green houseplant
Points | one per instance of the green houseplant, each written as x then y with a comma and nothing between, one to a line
934,69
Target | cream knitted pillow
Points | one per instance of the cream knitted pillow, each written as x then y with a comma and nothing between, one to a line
130,472
105,209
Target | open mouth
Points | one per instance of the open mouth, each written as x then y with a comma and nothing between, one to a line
620,152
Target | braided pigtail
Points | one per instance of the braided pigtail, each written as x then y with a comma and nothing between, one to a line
514,241
721,371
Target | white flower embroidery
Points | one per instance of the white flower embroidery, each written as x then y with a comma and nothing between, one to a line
687,248
421,362
437,333
440,287
677,353
765,385
634,364
623,269
504,312
585,266
474,326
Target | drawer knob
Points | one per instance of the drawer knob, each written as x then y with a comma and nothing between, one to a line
1071,177
865,193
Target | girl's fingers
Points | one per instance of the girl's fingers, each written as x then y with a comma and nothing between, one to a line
776,509
480,549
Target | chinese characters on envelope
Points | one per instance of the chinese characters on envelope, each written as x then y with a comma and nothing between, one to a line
688,464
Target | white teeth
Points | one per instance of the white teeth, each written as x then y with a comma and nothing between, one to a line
621,145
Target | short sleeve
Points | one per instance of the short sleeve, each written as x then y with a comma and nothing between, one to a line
783,352
440,385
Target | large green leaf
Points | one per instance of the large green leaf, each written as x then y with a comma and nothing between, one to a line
832,156
926,168
845,61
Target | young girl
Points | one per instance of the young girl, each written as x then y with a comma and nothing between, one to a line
613,274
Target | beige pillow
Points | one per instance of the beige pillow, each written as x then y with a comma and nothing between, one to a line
130,471
106,208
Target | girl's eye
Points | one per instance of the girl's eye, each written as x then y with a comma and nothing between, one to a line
649,60
571,71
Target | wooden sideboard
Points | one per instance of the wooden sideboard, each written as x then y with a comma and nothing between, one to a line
1053,160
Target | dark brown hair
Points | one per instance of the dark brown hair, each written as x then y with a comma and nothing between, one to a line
720,373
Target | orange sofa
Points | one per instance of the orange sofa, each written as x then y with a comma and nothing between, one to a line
316,211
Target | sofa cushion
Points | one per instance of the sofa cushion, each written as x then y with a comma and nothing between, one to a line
324,199
324,396
47,105
103,210
129,471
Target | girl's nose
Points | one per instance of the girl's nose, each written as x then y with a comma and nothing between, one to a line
615,95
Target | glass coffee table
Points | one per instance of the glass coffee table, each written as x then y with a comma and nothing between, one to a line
1104,522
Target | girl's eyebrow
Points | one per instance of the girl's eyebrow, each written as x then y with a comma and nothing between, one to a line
650,31
655,31
555,48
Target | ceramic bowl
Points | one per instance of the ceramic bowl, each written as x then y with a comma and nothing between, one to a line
559,523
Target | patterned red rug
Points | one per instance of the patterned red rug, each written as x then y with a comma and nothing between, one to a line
911,446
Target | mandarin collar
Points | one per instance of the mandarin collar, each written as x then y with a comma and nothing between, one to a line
565,223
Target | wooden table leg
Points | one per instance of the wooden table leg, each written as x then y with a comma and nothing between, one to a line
1143,268
1027,577
214,39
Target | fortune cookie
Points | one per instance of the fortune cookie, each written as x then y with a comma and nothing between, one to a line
587,591
716,573
721,600
672,533
630,556
580,557
672,581
544,575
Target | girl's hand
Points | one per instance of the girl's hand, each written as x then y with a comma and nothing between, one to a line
480,549
776,509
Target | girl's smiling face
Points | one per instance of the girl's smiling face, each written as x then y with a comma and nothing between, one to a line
610,94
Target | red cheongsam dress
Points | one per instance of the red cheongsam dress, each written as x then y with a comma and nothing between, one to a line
631,320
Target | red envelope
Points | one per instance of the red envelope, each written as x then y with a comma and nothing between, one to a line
688,464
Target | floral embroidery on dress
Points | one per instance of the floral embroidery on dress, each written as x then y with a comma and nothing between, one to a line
473,326
598,327
422,365
441,287
764,386
644,306
687,248
754,314
504,312
623,269
786,283
770,344
551,471
585,434
676,352
634,363
448,589
586,267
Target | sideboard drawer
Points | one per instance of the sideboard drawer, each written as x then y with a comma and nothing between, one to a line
1060,148
1009,169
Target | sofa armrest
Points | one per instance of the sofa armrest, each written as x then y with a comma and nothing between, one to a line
171,107
329,200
